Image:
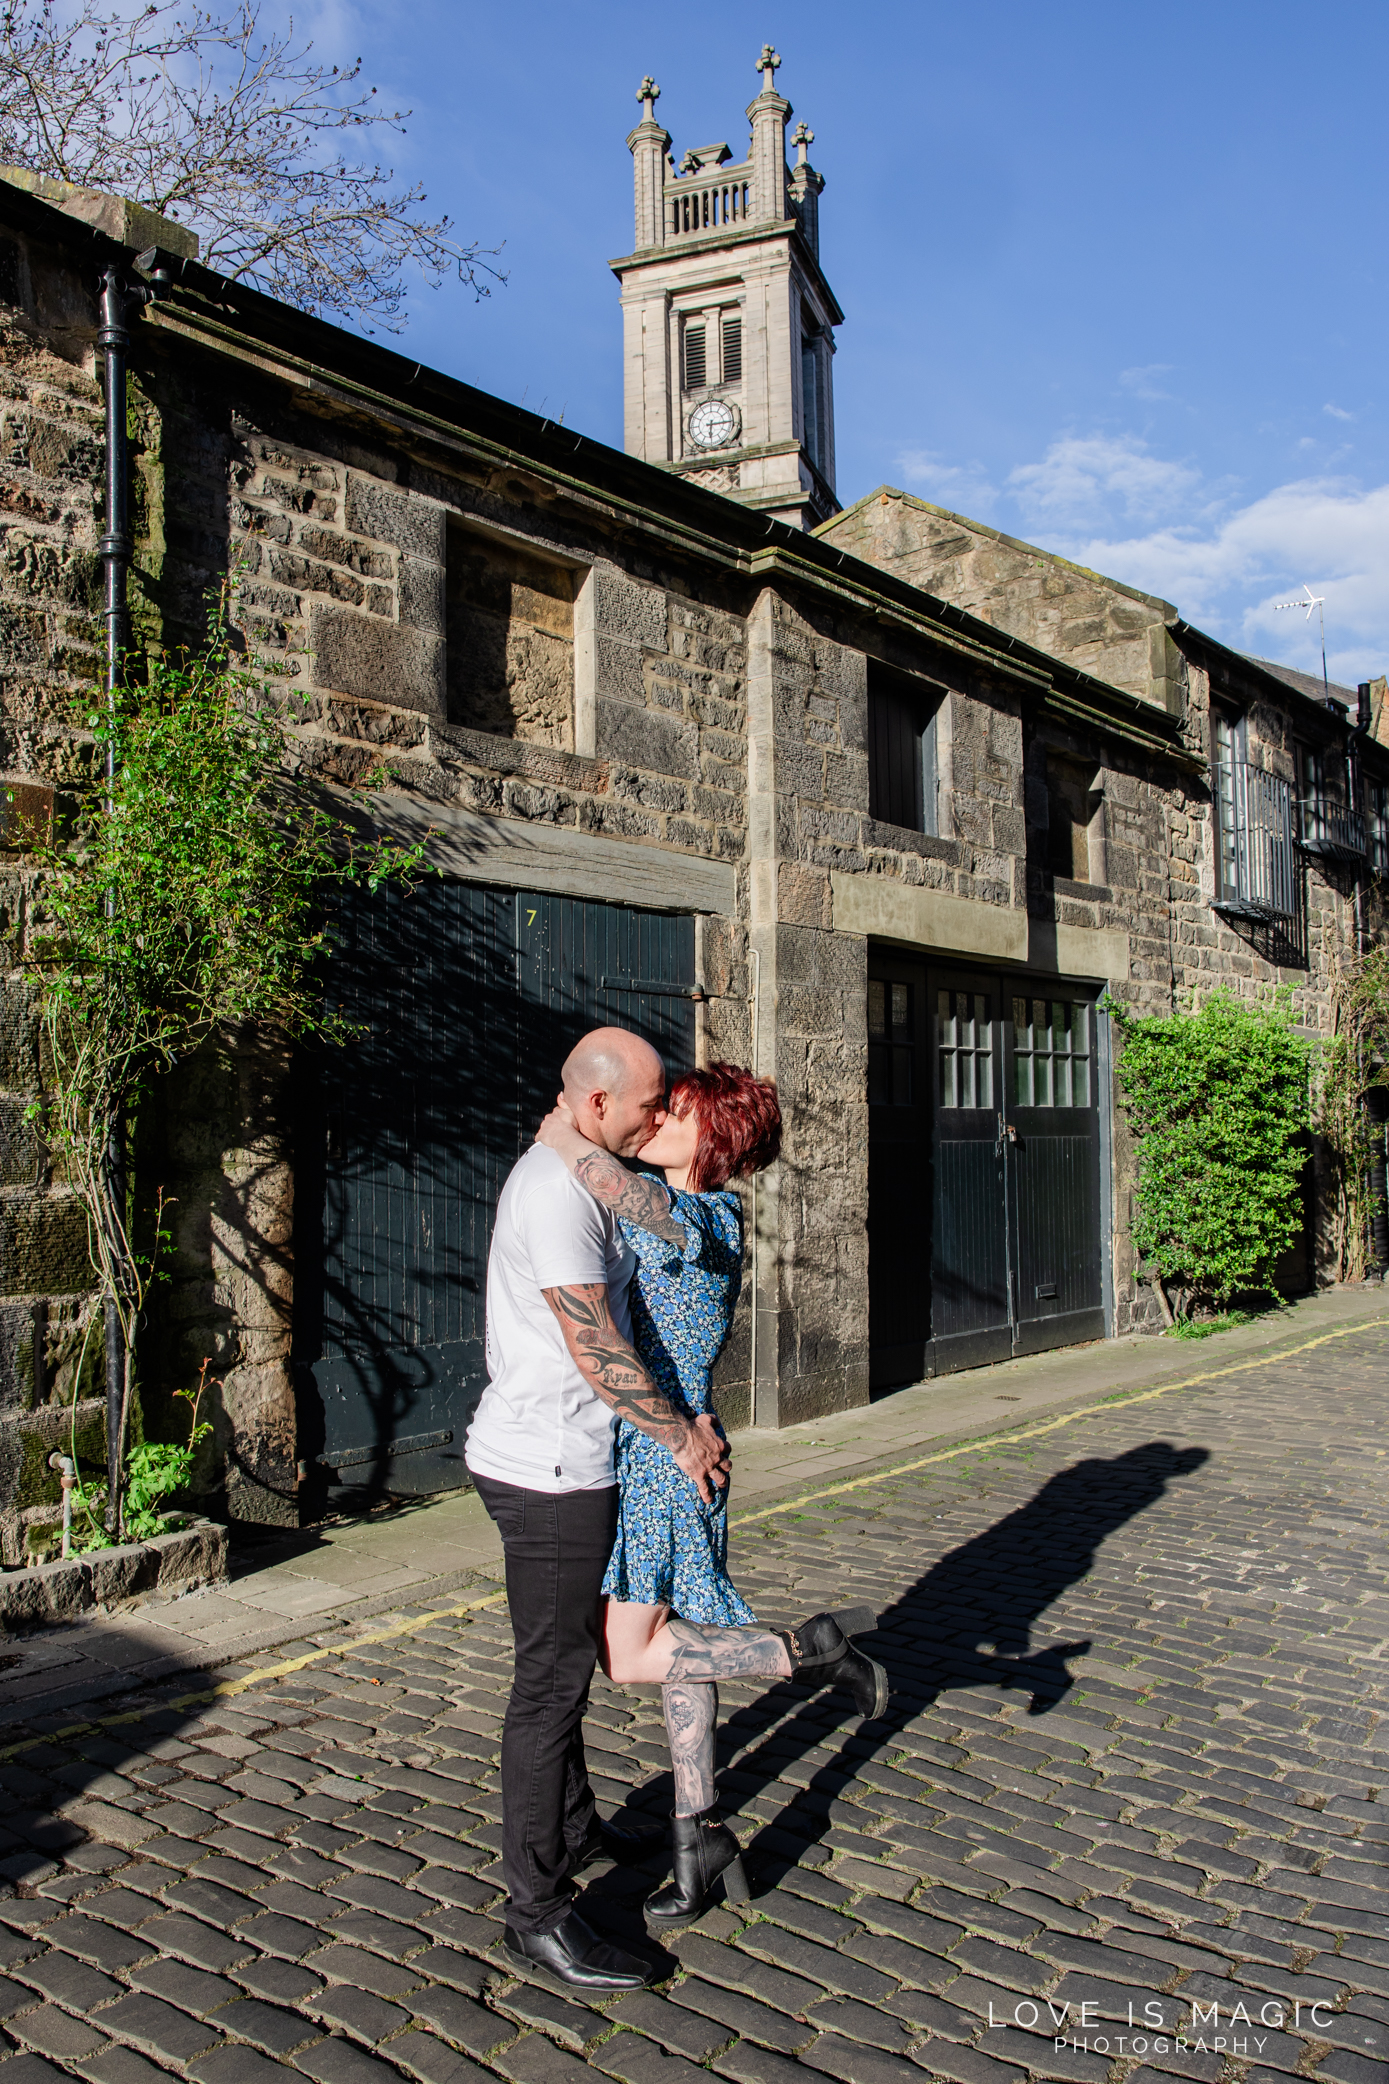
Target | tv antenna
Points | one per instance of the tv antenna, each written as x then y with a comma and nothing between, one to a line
1317,601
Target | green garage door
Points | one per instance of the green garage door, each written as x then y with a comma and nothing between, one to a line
465,1001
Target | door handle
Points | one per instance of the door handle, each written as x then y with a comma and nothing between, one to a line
1007,1133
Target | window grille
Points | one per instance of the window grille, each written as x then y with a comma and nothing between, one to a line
903,758
889,1044
1255,860
732,350
1051,1053
1331,829
696,360
964,1049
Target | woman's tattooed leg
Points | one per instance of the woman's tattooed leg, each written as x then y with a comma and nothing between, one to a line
702,1652
691,1712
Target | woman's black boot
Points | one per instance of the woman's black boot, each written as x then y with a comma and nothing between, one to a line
704,1849
820,1650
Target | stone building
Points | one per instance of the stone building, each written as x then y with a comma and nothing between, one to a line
680,762
727,321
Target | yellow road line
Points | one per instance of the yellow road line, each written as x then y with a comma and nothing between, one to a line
226,1688
1112,1402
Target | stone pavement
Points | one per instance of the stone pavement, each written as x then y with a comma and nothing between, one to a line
309,1587
1120,1823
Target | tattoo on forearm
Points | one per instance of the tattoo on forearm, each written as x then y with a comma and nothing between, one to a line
691,1713
642,1200
609,1364
703,1652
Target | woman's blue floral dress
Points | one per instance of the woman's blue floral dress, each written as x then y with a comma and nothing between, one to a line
670,1546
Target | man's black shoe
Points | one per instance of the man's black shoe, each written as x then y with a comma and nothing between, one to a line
578,1957
624,1843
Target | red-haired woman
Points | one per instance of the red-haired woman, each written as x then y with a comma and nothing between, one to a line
673,1616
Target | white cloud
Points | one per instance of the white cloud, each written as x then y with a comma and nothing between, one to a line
1110,502
1146,382
963,487
1085,477
1329,533
1338,412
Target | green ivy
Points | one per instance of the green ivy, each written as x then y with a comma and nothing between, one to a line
181,898
1218,1100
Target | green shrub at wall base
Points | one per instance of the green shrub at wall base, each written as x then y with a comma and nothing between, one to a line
1218,1101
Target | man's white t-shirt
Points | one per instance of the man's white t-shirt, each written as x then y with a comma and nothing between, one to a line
539,1425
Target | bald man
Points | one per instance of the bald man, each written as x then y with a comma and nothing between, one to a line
561,1373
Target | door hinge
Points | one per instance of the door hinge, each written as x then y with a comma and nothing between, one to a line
651,988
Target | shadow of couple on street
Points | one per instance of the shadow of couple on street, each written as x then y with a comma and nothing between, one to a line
966,1622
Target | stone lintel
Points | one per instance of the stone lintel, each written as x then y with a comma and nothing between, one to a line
924,918
520,856
1101,952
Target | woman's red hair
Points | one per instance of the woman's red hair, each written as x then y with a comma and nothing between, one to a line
739,1123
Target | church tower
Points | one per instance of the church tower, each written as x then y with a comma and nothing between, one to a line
728,323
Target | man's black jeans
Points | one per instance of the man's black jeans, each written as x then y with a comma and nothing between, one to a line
557,1547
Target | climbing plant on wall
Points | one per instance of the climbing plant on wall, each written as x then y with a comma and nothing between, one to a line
179,898
1218,1100
1355,1058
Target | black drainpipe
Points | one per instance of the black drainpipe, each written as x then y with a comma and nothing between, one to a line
120,302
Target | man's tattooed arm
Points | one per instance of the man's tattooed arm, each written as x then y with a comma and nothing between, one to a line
635,1195
611,1368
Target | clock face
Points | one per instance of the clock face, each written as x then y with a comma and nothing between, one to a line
713,424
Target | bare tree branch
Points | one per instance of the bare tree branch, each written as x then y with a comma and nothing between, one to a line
238,133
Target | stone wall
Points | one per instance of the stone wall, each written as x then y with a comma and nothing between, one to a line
636,685
1112,631
1151,839
50,461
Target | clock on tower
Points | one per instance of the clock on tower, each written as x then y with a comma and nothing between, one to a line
728,322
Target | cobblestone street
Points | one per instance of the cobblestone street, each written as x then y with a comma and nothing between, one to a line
1122,1818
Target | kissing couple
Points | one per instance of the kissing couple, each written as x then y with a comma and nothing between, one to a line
597,1452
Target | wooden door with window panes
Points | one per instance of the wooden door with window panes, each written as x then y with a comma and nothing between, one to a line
985,1221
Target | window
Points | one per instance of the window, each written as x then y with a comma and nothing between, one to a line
732,350
696,360
890,1037
964,1049
812,403
1379,827
1227,754
903,752
1329,827
1051,1053
1252,814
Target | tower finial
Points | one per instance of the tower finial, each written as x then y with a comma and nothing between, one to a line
802,137
768,63
647,94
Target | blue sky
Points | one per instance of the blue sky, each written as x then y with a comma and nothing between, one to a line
1114,278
